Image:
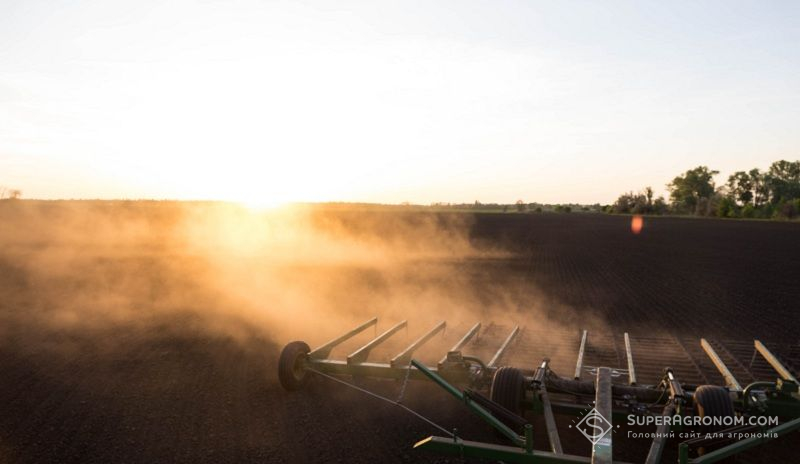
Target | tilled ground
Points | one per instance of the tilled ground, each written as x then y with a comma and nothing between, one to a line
167,389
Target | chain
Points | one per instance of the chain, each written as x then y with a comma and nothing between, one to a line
403,386
375,395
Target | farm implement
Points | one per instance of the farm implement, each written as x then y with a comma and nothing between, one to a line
714,399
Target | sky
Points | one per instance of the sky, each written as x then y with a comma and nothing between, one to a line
267,102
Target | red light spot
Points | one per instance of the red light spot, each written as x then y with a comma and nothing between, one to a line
637,222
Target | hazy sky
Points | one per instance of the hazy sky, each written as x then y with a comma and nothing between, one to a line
425,101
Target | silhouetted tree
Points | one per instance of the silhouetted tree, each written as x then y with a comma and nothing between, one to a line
783,181
691,191
740,187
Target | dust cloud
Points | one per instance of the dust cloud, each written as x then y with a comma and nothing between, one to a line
78,268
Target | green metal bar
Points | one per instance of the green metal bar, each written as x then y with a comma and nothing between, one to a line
683,453
403,358
504,347
657,447
528,438
464,340
579,364
492,452
747,443
773,361
325,350
361,354
730,380
629,356
602,452
476,408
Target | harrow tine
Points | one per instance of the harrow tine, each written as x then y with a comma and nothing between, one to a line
464,340
504,347
404,358
360,355
631,371
773,361
579,364
325,350
730,380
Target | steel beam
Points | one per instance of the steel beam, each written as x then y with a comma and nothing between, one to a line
403,358
550,421
602,452
730,380
504,347
631,371
464,340
657,447
360,355
579,364
773,361
325,350
479,410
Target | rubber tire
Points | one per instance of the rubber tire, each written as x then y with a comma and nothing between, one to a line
713,401
508,389
291,373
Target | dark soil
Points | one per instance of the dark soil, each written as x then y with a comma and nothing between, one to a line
166,389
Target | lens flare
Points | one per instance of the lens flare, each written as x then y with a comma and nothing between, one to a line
637,223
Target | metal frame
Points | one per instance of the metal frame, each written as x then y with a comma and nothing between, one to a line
551,395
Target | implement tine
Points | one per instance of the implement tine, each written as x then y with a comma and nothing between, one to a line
464,340
579,364
773,361
360,355
403,358
631,371
325,350
504,347
730,380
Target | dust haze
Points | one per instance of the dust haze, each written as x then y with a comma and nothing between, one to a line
90,270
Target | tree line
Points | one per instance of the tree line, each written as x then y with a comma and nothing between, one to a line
770,194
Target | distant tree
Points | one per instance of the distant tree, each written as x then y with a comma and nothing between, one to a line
660,206
9,194
740,187
783,181
638,203
787,209
760,187
521,206
727,208
691,191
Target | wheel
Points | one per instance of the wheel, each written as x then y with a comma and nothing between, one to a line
508,389
291,366
713,401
